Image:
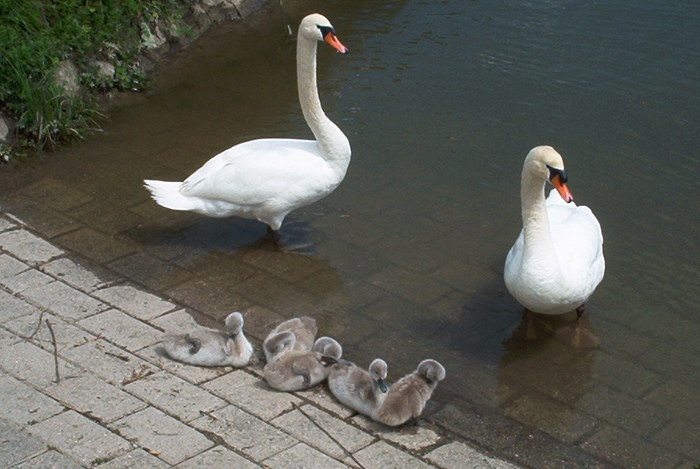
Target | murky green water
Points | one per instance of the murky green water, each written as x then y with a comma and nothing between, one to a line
441,102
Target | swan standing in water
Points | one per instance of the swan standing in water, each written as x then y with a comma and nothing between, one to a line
557,261
266,179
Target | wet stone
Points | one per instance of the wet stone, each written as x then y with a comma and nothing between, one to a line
95,245
550,416
149,271
628,450
56,194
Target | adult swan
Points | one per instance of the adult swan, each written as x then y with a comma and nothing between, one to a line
557,261
266,179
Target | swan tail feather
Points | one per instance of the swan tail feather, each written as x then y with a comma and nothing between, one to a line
167,194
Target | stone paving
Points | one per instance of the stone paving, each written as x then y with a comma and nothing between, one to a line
83,386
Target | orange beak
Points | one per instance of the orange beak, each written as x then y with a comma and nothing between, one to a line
562,188
332,39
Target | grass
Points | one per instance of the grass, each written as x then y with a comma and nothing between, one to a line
37,35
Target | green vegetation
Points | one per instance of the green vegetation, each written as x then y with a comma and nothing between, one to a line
37,35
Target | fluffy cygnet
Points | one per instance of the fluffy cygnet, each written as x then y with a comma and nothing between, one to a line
211,347
357,388
407,397
295,370
304,329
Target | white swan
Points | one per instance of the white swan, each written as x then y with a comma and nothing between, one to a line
266,179
557,261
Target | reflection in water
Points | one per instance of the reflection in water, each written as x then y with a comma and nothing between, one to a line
545,365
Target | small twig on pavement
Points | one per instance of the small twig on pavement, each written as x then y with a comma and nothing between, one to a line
347,453
38,325
55,351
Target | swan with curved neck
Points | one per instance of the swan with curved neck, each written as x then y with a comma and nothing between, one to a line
557,261
265,179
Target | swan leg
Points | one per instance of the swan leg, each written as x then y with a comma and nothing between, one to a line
274,235
531,328
577,335
195,343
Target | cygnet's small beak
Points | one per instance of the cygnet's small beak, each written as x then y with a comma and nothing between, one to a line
382,385
332,39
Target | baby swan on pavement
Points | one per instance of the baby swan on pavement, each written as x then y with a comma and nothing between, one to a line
292,370
359,389
407,397
211,347
304,329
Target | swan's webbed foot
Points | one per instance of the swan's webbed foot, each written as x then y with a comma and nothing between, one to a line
577,335
532,328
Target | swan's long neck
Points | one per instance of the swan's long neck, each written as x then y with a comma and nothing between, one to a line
537,237
331,140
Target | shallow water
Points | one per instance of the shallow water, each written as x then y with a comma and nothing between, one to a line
441,102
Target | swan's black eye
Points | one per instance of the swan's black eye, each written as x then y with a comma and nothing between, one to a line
554,172
325,30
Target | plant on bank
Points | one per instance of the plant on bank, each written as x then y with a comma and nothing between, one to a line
37,35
